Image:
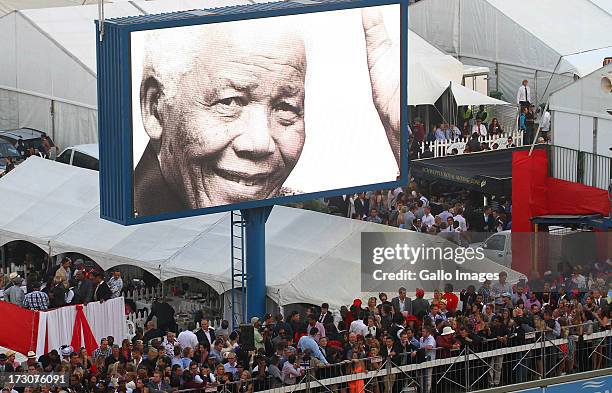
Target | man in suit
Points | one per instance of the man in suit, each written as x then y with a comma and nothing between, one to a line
83,292
206,334
485,222
101,292
390,352
325,317
165,315
402,303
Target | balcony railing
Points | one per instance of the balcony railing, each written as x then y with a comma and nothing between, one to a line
579,167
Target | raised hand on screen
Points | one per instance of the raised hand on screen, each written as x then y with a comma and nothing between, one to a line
384,67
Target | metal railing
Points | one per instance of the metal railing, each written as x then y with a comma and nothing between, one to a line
579,166
453,370
442,148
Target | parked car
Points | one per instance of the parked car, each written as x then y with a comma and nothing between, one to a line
83,156
30,137
6,150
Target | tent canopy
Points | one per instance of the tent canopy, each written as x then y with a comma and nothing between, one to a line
431,72
310,257
519,37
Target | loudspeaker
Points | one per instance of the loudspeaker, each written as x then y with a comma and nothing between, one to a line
247,337
606,84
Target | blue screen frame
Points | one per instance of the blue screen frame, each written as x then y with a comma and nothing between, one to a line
115,109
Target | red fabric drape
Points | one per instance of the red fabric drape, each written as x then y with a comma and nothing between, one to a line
565,197
536,194
529,198
81,326
20,330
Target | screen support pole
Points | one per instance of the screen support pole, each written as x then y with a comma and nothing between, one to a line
255,231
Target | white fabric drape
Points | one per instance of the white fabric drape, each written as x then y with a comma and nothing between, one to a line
105,319
42,333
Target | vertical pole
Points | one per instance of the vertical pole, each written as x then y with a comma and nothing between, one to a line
256,259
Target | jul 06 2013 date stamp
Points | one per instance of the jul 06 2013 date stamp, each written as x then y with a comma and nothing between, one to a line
38,379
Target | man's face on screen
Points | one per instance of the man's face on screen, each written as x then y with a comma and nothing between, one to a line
234,130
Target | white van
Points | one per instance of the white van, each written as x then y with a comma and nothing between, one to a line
83,156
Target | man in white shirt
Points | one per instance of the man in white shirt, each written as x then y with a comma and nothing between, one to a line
461,220
523,95
479,128
428,343
428,219
187,338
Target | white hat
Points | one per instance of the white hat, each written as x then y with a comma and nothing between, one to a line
31,355
447,330
13,275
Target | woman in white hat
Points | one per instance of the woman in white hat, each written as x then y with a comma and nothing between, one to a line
447,343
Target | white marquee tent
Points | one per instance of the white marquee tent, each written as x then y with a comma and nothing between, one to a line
579,109
48,63
311,257
520,39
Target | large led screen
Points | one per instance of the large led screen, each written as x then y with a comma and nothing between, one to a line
234,112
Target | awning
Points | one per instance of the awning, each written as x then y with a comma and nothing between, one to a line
465,96
426,86
487,172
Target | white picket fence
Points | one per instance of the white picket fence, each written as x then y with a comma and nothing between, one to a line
144,294
13,268
445,147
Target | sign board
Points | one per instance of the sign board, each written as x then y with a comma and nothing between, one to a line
250,106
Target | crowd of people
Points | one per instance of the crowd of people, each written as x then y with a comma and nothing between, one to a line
402,330
65,284
408,208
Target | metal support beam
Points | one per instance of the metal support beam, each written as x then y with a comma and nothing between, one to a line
255,225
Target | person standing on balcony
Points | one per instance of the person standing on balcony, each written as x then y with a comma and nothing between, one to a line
523,95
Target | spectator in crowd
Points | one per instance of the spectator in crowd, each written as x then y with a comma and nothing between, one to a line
164,314
63,272
101,291
115,283
57,294
473,145
83,291
495,128
373,217
36,300
401,303
479,128
14,294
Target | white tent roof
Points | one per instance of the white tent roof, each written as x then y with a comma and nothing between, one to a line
7,6
519,32
311,257
605,5
71,30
